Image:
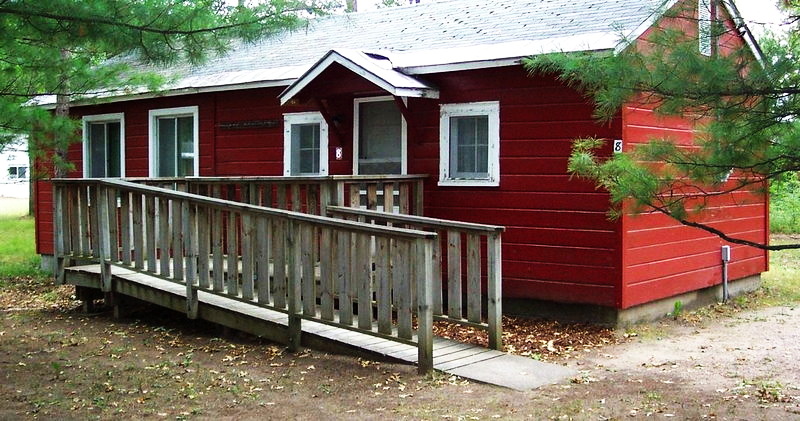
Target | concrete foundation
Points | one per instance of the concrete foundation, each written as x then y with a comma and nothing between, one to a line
613,317
48,263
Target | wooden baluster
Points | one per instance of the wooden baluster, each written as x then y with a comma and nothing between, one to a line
363,266
424,275
372,196
419,196
247,256
344,277
190,247
281,192
474,278
294,298
101,233
94,224
85,209
312,199
296,198
326,265
125,227
405,206
279,262
266,199
232,274
388,197
383,283
178,219
150,235
438,307
75,220
164,240
217,224
138,231
203,246
401,277
494,274
113,227
59,233
308,276
262,259
454,274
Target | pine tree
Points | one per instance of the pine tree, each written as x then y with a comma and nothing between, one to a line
69,49
746,114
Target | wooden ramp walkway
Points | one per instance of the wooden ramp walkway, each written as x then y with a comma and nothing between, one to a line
465,360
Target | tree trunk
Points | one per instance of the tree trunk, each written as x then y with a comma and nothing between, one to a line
62,110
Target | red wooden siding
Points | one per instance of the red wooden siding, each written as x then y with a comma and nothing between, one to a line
663,258
559,244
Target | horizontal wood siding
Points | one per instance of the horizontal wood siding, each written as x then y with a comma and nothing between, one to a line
663,258
559,244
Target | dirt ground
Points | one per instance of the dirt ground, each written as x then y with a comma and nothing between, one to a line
56,363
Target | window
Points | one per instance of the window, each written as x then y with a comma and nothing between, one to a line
174,137
16,173
379,136
103,145
469,150
305,144
704,17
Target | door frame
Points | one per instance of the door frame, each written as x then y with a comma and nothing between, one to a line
403,131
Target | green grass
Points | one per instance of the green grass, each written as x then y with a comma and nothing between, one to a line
784,205
18,256
782,283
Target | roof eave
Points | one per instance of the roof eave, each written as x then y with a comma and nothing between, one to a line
423,91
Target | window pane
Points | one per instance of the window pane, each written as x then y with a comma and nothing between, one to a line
12,172
305,149
469,147
97,150
380,138
185,138
167,158
22,172
113,149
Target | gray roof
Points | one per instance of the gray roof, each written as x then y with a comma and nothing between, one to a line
424,35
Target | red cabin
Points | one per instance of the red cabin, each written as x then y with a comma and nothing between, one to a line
438,89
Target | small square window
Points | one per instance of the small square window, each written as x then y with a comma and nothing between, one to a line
470,144
305,144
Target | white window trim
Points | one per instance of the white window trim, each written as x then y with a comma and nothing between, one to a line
152,135
313,117
491,109
704,27
403,131
104,118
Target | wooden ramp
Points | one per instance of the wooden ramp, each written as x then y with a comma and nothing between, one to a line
465,360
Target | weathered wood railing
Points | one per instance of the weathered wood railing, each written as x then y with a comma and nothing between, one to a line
401,193
308,266
482,254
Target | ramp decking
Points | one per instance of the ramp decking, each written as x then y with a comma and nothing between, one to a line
465,360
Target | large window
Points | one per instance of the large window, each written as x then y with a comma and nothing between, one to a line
174,142
379,136
305,144
104,145
470,144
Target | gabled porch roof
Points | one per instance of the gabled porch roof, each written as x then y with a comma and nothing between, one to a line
375,68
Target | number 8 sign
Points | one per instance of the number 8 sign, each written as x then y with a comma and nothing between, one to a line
618,146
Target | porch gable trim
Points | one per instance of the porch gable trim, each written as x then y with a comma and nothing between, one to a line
372,68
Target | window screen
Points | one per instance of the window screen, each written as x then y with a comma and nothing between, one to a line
469,147
380,138
104,149
175,146
305,149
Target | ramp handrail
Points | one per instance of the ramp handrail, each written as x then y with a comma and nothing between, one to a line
309,266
